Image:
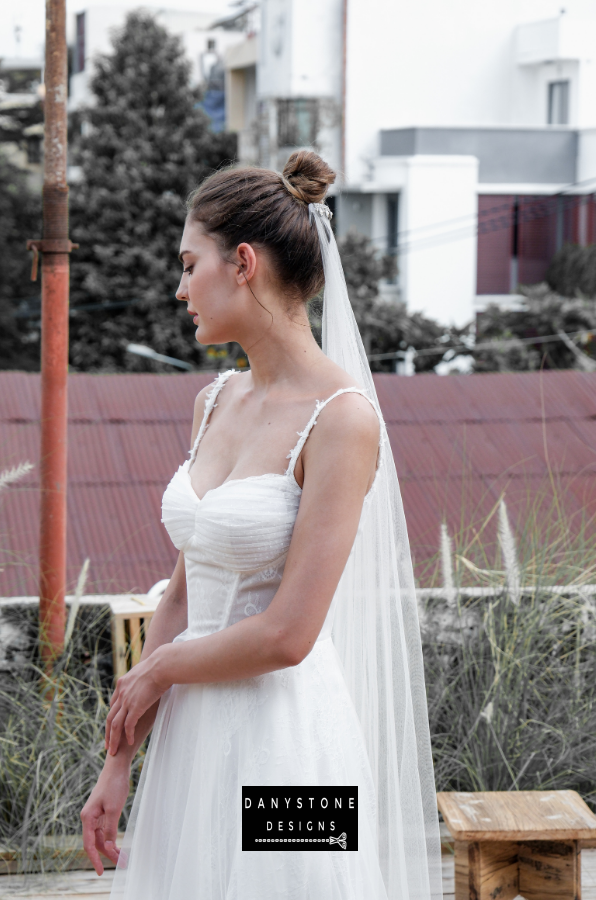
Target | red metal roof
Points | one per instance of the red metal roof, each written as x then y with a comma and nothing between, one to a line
458,442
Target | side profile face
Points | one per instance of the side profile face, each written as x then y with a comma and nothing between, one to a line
209,286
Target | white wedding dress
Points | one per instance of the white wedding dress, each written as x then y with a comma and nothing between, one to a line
297,726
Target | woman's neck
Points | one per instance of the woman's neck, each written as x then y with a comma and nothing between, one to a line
286,352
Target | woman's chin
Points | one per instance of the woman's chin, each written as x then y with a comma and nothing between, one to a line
204,338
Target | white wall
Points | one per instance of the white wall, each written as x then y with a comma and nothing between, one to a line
301,48
317,48
586,170
437,231
530,99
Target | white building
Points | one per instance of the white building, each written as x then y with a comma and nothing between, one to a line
464,132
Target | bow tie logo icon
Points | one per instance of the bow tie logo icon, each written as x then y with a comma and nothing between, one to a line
341,840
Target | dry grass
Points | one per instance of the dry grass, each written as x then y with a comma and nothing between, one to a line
511,678
51,752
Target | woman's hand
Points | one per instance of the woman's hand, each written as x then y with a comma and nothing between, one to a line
102,811
135,693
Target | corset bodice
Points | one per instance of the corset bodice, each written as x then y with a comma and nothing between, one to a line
236,538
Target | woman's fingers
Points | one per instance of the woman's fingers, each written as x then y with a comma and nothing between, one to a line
105,840
109,722
116,730
91,849
116,693
129,726
90,826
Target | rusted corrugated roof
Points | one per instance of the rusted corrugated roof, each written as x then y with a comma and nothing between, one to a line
458,442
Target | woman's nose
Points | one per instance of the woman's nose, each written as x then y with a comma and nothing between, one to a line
181,293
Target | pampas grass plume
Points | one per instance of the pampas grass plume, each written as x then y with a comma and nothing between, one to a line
447,563
15,473
509,552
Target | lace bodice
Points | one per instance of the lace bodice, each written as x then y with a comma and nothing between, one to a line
236,538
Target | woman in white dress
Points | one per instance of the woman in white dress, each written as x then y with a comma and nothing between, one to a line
241,682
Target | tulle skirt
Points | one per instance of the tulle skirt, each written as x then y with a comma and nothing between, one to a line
294,727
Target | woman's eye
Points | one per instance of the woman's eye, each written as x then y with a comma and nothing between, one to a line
186,271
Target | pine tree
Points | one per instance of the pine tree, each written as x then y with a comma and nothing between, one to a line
146,146
20,302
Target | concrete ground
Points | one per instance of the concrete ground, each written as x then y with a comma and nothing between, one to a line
87,885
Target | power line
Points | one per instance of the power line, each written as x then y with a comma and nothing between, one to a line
483,345
473,219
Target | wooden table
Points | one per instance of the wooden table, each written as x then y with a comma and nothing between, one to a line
517,842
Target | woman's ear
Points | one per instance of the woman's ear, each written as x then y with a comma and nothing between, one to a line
246,263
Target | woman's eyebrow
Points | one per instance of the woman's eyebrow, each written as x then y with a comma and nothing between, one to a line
181,255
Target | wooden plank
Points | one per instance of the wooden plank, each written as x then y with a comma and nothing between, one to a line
493,870
462,883
550,870
132,605
134,625
118,647
517,815
484,871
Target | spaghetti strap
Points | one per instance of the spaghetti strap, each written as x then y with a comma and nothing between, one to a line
321,404
210,405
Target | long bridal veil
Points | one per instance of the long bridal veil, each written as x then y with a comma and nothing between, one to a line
377,635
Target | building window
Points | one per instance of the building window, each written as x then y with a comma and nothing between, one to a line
297,122
519,235
558,103
79,55
392,231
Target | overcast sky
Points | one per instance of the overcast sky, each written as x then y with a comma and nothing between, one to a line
29,16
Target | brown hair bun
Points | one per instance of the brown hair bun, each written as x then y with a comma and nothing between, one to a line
308,175
264,208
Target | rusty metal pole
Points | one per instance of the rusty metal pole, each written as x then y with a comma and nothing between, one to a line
55,248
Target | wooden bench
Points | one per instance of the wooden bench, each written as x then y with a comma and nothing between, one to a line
510,843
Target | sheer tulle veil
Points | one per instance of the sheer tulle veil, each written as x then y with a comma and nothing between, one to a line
377,635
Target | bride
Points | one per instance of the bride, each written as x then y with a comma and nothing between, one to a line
285,651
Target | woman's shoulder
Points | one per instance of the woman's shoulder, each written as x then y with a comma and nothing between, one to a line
348,405
213,387
346,414
349,412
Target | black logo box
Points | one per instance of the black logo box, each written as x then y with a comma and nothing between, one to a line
300,818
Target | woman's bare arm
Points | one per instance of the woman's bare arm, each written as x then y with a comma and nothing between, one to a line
101,813
339,467
169,619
